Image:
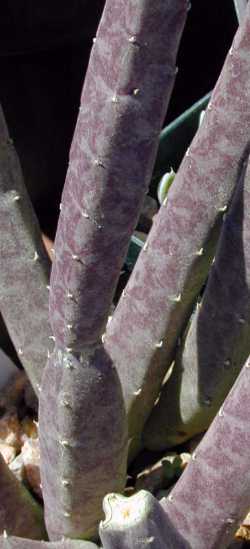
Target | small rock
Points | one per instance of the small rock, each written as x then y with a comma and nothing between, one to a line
243,533
10,430
31,460
29,429
17,468
8,452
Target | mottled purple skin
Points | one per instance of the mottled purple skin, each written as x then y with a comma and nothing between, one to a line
25,266
218,341
142,335
19,543
20,514
212,496
124,100
83,441
137,522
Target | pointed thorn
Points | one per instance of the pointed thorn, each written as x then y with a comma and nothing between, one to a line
145,247
159,345
66,514
175,298
103,337
136,91
36,256
98,162
75,257
60,206
16,198
20,351
138,392
65,403
200,251
165,201
69,349
65,482
220,413
85,214
223,208
64,443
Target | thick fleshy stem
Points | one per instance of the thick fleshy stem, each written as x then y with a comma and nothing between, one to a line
170,272
20,514
25,267
128,84
136,522
218,340
211,499
83,440
124,100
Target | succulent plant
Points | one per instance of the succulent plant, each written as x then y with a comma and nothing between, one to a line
173,267
217,342
97,375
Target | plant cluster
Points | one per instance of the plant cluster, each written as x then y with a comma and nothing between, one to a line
170,361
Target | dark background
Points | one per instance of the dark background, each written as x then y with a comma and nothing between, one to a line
44,51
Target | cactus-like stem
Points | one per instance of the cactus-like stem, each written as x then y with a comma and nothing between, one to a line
83,438
25,266
136,522
11,542
20,514
128,84
169,274
218,341
212,497
125,96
